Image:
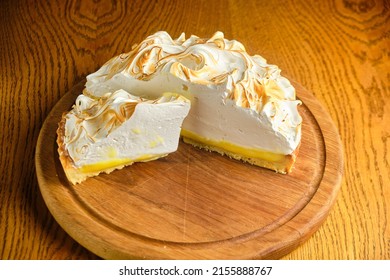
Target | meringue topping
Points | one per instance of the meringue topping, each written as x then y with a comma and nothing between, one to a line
214,74
120,127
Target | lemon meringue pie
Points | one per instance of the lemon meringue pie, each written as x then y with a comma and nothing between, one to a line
118,129
240,105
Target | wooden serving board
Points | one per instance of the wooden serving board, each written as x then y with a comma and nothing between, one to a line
195,204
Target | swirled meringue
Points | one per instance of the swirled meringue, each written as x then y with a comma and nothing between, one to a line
239,102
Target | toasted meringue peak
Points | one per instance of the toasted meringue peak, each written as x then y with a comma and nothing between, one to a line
249,80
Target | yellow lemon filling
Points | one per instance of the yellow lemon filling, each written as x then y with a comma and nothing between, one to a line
233,148
114,163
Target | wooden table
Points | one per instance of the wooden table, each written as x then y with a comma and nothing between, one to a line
338,50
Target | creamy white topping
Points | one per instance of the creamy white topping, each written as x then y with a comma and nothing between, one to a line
122,126
235,97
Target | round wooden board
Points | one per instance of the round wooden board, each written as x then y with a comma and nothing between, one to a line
194,204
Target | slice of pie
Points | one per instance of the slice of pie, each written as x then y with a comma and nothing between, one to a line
240,105
118,129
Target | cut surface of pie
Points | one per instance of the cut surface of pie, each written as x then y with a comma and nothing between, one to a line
116,130
240,105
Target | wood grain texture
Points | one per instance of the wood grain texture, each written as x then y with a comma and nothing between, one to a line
338,49
194,204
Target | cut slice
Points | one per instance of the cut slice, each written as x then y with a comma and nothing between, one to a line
118,129
240,105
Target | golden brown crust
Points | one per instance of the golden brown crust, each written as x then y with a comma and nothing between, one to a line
284,166
70,171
